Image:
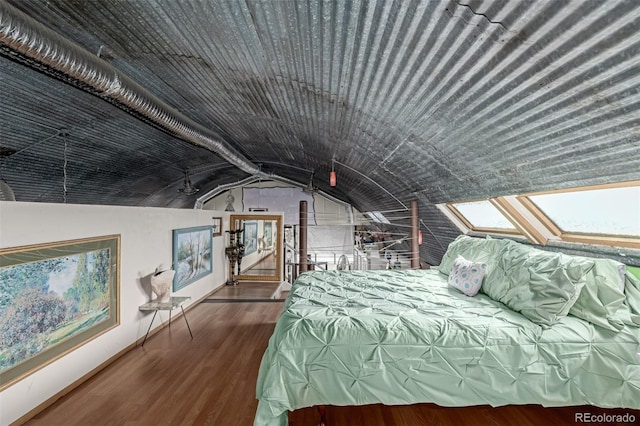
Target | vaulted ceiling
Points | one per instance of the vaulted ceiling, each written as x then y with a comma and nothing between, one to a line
109,102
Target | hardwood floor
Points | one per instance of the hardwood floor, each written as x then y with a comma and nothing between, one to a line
174,380
266,266
246,290
434,415
211,379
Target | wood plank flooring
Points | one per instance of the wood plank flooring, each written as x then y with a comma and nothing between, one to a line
246,290
174,380
211,379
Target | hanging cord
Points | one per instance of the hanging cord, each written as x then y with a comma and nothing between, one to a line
433,235
64,169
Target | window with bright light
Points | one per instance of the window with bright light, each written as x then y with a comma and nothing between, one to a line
606,214
378,217
607,211
483,215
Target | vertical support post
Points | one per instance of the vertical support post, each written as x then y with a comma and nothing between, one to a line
415,247
303,236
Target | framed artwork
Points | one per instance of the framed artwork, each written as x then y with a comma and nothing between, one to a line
268,234
217,226
192,258
55,298
250,237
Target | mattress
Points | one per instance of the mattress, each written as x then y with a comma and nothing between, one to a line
404,336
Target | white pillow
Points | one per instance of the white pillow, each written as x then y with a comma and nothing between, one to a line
467,276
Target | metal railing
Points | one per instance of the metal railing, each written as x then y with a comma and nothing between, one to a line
365,257
361,260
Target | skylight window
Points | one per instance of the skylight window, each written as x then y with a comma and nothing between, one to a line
595,215
378,217
607,211
482,215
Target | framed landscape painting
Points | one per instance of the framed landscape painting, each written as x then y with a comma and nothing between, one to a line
54,298
192,255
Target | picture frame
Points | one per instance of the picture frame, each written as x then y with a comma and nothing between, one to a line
250,237
217,226
75,284
192,255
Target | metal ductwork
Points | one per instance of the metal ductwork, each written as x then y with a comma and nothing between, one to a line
26,40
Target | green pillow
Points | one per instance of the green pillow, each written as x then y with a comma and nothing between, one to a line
474,249
601,301
632,293
541,285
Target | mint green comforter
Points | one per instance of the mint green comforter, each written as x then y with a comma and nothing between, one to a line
404,337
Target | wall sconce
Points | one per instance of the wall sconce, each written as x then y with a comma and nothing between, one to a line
332,176
420,237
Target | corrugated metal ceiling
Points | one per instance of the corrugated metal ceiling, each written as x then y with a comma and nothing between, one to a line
437,100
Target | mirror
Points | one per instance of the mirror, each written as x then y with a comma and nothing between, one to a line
262,239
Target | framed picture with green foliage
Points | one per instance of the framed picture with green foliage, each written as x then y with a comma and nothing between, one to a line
54,298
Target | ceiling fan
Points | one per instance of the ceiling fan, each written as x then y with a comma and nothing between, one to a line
187,187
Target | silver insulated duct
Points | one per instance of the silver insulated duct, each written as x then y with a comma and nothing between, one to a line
26,40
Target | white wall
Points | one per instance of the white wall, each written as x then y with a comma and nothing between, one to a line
330,230
326,211
146,241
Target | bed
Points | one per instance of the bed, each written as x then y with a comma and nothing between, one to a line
407,336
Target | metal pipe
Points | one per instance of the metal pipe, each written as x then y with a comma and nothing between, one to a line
25,40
